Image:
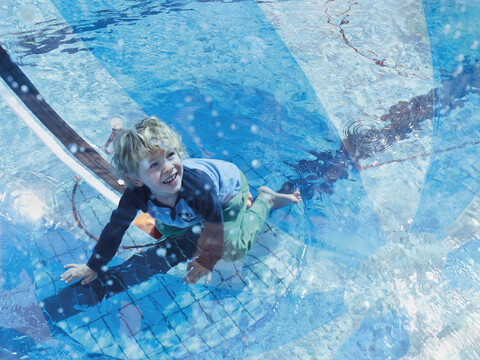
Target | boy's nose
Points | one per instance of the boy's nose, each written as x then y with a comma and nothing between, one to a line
167,167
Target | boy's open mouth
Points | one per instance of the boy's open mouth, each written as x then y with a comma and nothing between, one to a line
170,179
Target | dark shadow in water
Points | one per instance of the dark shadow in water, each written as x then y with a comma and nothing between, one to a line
320,175
407,116
56,33
137,269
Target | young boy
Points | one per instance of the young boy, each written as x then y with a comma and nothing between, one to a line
189,196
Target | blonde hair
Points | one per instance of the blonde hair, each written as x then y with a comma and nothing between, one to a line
132,145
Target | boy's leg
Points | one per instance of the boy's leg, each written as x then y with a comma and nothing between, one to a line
241,226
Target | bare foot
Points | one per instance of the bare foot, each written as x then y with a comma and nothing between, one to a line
277,200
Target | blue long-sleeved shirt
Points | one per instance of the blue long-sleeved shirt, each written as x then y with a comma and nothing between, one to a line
206,186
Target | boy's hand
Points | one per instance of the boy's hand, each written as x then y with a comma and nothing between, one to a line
196,272
78,271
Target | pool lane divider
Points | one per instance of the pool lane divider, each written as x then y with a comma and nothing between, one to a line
23,88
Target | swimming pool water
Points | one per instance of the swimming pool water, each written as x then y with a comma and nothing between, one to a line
370,108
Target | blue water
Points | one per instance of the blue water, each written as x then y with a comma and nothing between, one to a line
390,267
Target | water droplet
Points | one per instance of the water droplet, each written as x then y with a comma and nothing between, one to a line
447,29
73,148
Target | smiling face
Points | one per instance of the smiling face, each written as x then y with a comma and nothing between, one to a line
162,171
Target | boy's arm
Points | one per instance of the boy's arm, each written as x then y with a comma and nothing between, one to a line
78,271
210,245
112,234
210,251
107,245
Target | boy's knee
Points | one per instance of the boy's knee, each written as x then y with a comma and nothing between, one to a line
235,251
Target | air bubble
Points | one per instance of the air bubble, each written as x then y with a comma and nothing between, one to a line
254,129
73,148
256,164
447,29
161,252
24,88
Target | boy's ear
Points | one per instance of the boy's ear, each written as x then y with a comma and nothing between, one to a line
133,179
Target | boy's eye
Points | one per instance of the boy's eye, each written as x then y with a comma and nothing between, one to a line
171,154
153,165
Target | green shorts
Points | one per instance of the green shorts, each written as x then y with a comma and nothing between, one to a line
241,225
